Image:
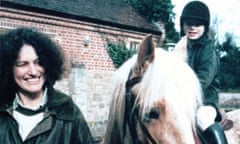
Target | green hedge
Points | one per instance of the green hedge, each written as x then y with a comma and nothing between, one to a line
119,53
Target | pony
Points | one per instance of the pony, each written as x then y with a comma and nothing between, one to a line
155,99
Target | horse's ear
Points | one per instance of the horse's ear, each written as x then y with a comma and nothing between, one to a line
146,50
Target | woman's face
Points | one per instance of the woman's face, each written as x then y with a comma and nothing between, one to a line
28,74
193,30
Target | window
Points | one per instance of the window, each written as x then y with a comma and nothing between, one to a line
134,45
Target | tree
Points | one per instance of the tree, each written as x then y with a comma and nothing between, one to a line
229,56
229,64
158,10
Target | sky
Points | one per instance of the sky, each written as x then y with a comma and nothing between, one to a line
226,12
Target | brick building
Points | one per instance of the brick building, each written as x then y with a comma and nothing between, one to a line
82,27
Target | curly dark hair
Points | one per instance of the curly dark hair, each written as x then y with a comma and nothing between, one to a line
49,53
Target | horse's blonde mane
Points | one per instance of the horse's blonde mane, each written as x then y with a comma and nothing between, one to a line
171,79
168,78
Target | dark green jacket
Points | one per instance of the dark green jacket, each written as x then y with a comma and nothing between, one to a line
63,123
203,59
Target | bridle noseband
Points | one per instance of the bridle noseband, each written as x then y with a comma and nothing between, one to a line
131,115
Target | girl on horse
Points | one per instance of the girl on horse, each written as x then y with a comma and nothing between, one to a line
197,49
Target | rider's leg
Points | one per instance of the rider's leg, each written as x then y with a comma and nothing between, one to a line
221,117
212,131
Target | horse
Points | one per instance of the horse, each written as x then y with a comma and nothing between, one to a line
155,99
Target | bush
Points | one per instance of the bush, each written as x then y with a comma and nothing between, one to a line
119,53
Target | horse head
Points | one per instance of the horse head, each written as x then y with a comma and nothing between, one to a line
155,98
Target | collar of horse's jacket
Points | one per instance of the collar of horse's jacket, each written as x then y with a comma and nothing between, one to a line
59,104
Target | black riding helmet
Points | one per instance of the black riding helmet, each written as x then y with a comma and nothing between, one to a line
198,11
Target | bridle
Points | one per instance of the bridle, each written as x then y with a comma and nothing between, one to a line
131,115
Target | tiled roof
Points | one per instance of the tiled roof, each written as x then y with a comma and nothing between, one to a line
116,13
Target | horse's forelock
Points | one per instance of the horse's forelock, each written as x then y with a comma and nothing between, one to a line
173,80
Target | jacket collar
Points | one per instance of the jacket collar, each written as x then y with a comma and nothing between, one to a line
201,41
56,100
17,102
60,105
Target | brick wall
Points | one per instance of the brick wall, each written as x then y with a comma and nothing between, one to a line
88,67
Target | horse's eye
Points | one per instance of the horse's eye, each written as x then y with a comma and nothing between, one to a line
153,114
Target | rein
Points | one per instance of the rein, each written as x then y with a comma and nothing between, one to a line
131,116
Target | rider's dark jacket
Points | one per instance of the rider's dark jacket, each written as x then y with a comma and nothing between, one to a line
63,123
204,60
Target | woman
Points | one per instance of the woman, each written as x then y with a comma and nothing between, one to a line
31,110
